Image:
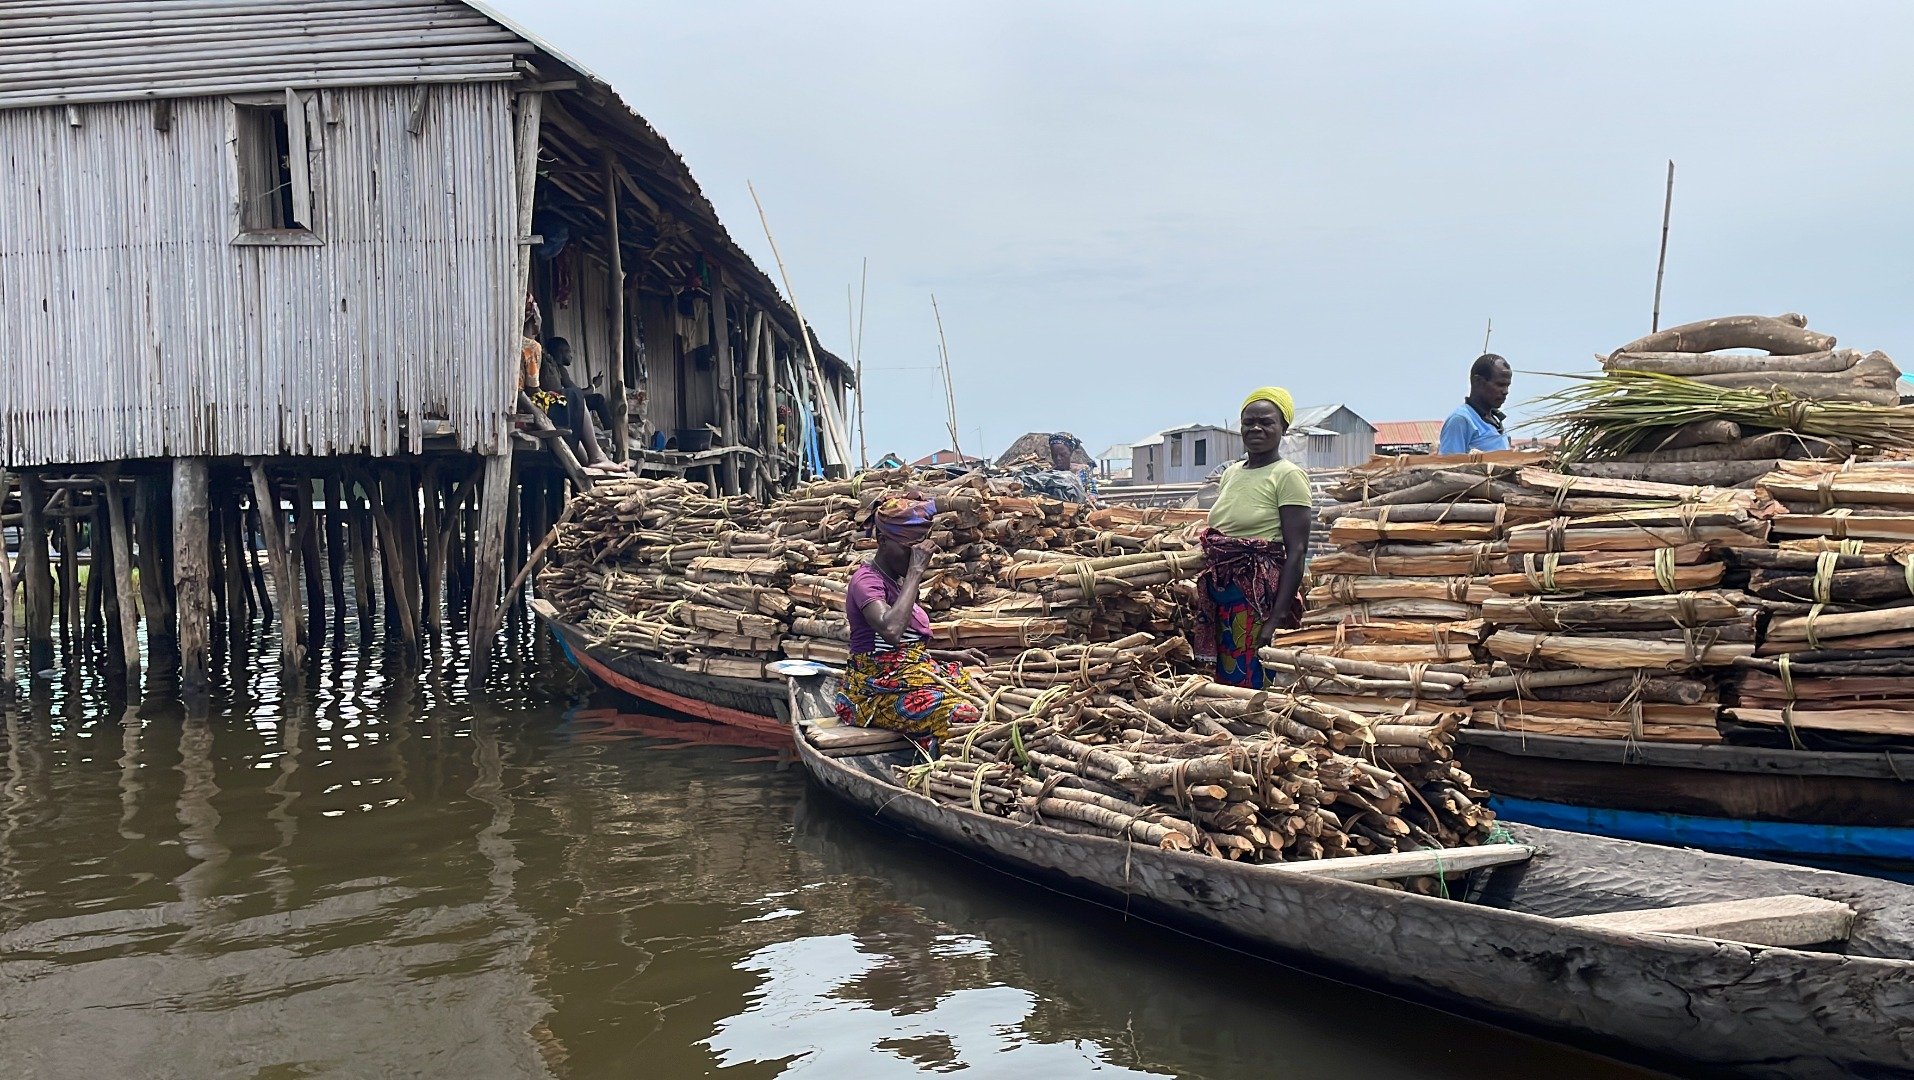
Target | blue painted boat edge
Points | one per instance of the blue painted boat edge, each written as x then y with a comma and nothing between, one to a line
1782,838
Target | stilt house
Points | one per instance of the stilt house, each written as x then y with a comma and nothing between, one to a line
268,267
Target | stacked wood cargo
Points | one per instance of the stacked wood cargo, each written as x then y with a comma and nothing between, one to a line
723,586
1106,740
1836,665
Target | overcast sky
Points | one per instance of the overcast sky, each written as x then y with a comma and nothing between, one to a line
1132,214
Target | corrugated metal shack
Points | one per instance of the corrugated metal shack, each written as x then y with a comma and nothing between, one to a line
284,282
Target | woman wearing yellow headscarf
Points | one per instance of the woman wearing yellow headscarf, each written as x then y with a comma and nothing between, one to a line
1256,545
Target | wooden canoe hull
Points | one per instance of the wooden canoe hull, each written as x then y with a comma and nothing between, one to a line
1823,804
1772,1012
755,705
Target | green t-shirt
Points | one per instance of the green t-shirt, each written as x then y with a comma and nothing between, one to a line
1249,501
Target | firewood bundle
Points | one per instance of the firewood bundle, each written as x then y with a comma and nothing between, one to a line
724,586
1106,742
1614,622
1835,667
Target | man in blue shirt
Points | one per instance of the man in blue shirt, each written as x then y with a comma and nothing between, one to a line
1477,425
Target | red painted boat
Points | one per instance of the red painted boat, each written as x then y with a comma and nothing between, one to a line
760,705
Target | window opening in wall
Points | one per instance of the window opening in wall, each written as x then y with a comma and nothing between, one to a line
1202,451
275,193
1176,451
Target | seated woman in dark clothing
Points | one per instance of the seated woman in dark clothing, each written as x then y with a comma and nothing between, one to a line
576,408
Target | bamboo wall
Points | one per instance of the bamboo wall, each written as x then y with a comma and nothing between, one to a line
119,275
76,51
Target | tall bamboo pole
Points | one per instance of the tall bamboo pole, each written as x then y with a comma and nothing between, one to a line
857,353
833,427
1661,261
950,395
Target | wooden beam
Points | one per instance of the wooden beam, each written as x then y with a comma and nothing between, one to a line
38,571
1408,864
1786,922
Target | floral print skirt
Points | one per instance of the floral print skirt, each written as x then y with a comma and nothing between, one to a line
1240,631
905,690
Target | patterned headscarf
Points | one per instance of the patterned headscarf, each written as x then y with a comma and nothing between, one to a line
1276,396
903,519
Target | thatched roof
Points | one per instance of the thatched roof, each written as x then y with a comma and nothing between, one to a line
1036,446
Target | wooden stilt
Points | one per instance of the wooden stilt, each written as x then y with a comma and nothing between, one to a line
334,514
615,395
514,549
391,552
434,532
37,571
727,372
362,563
153,539
254,540
306,536
241,605
70,629
121,543
9,612
279,555
488,560
190,571
103,598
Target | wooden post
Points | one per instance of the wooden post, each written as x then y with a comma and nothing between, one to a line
38,573
9,632
334,512
434,603
95,626
768,436
279,556
122,543
362,563
392,556
727,379
240,604
488,561
514,548
152,536
615,396
255,538
190,579
71,630
306,547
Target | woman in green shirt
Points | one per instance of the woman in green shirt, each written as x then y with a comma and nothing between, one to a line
1261,516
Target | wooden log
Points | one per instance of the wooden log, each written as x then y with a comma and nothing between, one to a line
360,519
37,572
1613,653
1828,627
488,563
1690,365
153,537
401,614
70,613
1840,526
1382,610
1725,473
334,515
1610,575
9,613
231,547
1893,722
192,556
1345,589
1845,586
1678,609
1631,537
305,545
1783,335
252,542
279,556
121,539
615,396
1770,444
1580,728
1447,512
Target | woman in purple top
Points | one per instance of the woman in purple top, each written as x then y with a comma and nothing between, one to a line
893,680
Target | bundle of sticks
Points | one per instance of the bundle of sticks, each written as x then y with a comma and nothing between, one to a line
725,586
1105,740
1835,667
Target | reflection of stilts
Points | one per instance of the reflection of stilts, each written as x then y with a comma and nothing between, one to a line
200,838
292,728
129,762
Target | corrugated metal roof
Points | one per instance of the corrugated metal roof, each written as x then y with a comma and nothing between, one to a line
1407,432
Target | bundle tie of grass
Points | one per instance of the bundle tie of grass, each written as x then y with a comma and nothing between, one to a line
1786,668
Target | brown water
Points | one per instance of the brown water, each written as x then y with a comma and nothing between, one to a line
386,876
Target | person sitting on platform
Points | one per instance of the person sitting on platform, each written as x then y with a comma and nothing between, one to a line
570,407
894,680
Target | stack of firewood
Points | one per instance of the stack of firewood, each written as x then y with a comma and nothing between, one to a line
1104,740
1836,663
724,586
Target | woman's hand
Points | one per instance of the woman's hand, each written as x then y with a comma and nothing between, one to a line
920,557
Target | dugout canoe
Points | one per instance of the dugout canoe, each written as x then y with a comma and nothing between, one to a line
759,705
1562,943
1845,806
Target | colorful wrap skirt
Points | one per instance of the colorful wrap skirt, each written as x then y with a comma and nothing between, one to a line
1240,630
905,690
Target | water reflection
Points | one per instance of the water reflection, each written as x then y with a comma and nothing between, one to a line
381,875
